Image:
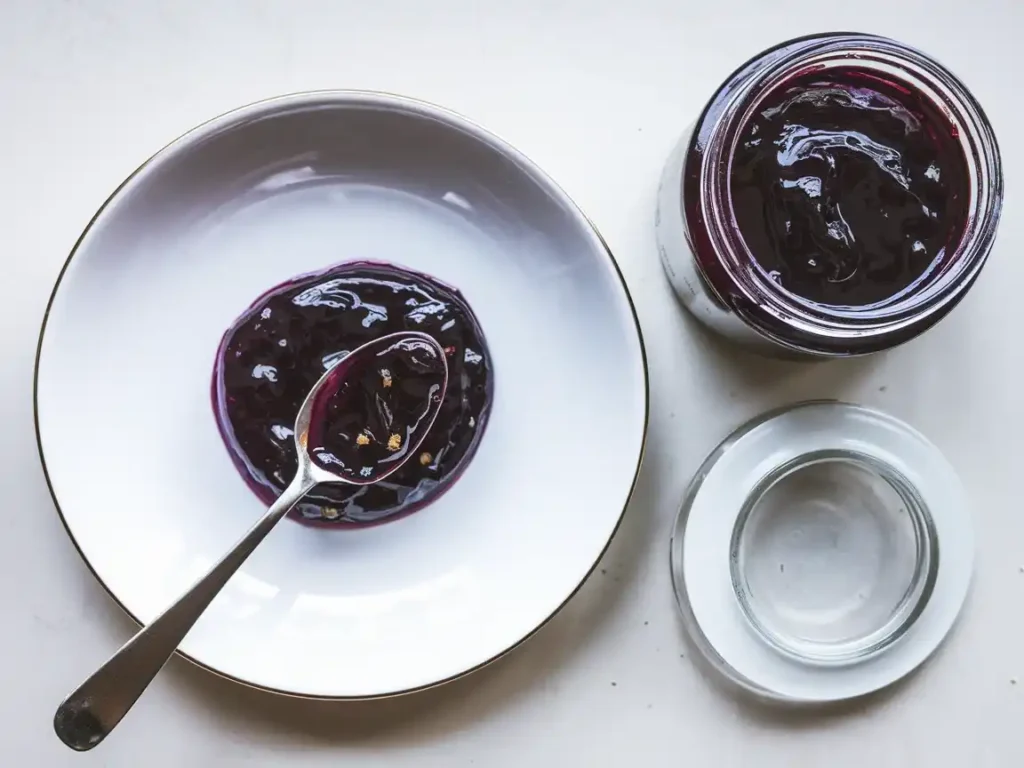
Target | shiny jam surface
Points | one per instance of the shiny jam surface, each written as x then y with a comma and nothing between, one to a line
271,357
847,188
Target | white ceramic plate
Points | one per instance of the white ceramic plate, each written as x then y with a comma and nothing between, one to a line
291,185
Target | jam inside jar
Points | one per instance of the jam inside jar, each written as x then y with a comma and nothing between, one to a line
848,188
838,196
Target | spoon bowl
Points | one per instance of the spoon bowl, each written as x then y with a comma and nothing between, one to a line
418,383
95,708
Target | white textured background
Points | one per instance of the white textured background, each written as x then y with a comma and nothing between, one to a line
596,92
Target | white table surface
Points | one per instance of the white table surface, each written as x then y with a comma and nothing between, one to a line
596,92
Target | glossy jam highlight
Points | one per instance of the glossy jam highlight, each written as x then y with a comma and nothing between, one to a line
276,351
849,189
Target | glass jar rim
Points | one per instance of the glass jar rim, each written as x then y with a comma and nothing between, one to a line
758,299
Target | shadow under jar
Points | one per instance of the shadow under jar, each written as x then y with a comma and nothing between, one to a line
837,196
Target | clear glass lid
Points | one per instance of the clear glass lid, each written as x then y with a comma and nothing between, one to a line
806,555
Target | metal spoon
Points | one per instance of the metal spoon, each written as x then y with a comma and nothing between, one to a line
95,708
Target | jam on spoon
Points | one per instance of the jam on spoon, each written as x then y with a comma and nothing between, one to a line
372,420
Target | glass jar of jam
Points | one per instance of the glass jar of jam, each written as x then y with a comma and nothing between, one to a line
837,196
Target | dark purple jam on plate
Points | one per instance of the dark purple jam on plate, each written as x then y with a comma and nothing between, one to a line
277,350
374,409
847,188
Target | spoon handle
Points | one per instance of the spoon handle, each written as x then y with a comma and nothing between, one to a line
95,708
